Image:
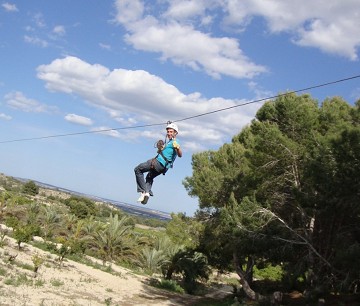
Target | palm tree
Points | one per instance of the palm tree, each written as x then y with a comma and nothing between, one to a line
70,221
49,220
152,260
160,256
110,238
192,265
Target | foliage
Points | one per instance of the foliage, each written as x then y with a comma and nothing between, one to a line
170,285
18,280
23,233
285,190
11,221
3,233
152,260
110,239
190,264
4,197
31,188
269,272
184,230
49,219
37,260
81,207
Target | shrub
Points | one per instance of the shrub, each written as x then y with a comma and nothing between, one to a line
31,188
81,207
23,234
170,285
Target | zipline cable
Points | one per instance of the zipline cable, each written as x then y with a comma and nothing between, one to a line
187,118
82,133
268,98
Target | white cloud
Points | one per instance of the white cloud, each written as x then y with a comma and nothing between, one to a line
184,10
175,30
5,117
129,11
78,119
137,98
59,30
39,20
9,7
181,42
36,41
107,131
105,46
329,25
18,101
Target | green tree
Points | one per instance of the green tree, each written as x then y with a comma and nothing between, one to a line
184,230
31,188
284,191
191,265
81,207
22,233
110,239
152,260
49,220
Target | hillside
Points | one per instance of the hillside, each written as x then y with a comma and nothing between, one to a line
73,283
126,207
81,280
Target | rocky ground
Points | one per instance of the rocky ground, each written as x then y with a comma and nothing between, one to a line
73,283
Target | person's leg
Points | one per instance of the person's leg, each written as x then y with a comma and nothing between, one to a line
150,179
156,170
139,175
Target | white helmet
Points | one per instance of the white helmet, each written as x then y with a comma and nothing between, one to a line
173,126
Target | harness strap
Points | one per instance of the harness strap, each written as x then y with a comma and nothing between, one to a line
166,160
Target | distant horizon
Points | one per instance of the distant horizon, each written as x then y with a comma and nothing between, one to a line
158,214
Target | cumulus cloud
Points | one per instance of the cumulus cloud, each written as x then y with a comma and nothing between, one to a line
175,30
184,10
138,98
78,119
329,25
18,101
9,7
5,117
181,42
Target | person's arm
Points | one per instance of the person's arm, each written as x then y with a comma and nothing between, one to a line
177,148
178,151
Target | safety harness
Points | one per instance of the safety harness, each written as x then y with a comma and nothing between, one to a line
160,145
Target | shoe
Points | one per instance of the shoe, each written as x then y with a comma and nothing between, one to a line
146,198
141,198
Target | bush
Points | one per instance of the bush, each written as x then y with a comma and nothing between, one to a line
31,188
22,234
269,272
81,207
167,285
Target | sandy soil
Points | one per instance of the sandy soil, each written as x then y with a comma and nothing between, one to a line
73,283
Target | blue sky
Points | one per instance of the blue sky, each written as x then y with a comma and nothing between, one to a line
113,66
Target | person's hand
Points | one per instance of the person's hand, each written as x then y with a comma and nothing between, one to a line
176,145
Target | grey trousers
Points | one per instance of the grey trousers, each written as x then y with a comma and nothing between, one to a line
153,168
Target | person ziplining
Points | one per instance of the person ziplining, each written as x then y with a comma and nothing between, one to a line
164,160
